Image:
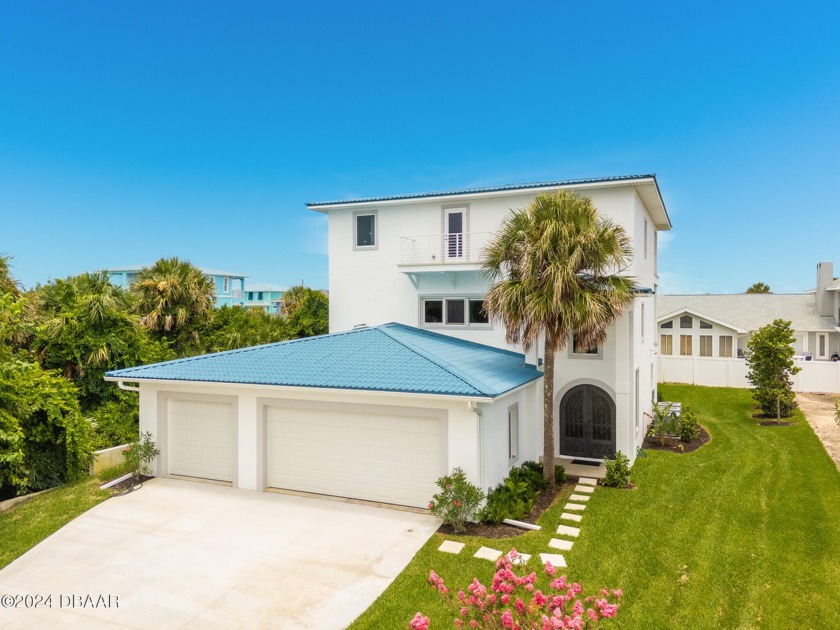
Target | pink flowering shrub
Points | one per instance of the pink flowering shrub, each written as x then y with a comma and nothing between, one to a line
514,602
458,500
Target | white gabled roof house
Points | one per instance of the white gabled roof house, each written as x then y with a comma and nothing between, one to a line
412,380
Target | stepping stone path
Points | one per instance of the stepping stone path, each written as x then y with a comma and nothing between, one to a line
487,554
450,546
577,503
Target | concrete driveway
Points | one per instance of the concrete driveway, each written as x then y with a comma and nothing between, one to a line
182,554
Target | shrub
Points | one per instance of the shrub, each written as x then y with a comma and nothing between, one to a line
559,473
510,499
688,428
531,473
115,421
140,454
515,599
458,500
618,471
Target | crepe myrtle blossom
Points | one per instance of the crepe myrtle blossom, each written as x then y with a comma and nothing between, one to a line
514,602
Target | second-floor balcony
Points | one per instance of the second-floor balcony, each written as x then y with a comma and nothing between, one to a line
461,248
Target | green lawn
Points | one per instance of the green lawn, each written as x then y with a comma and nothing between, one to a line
27,524
743,533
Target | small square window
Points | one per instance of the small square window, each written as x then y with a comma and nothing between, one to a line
455,312
365,230
432,311
579,348
477,313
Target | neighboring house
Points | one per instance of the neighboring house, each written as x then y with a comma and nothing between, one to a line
229,286
413,379
267,297
719,326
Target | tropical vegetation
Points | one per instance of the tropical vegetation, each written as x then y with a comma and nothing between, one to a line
554,265
759,287
58,340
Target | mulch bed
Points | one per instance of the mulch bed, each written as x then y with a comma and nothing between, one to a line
492,530
673,445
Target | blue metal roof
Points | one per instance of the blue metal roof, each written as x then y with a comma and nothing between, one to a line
391,358
470,191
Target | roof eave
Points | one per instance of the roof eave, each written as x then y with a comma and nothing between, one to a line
299,388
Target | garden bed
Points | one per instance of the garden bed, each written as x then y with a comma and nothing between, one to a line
675,445
500,530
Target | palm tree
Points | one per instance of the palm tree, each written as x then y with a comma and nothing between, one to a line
759,287
174,299
554,269
293,298
8,283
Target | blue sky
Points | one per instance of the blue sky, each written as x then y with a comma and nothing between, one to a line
135,130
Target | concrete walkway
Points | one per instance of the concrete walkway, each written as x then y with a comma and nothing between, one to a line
819,411
184,554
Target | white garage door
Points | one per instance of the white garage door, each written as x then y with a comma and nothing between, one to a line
378,457
201,439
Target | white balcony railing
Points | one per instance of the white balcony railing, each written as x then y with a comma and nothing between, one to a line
443,249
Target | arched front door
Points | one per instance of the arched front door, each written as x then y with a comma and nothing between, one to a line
587,422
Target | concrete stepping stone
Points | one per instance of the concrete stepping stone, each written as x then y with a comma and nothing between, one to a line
451,546
577,518
574,507
559,543
521,558
567,530
579,497
585,489
487,553
555,559
588,481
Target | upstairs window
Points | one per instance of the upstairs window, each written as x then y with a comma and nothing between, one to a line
259,296
686,321
225,285
668,324
453,311
579,349
705,325
364,228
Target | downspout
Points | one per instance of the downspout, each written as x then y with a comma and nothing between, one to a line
479,417
128,388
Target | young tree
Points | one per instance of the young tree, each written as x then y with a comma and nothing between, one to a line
759,287
553,264
770,363
175,300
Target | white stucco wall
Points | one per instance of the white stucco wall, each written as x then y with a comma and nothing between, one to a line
460,422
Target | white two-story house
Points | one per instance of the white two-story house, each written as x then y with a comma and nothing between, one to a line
413,380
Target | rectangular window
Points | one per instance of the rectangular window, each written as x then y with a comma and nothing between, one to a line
259,296
705,345
646,237
477,314
579,348
666,344
455,312
250,296
642,318
432,311
638,401
725,346
225,285
686,321
513,432
365,230
685,345
822,346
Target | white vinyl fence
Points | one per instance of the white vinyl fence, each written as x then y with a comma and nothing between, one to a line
816,376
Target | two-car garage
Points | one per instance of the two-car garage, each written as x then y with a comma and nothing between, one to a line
375,453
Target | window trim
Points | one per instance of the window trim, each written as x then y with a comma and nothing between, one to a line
365,213
513,432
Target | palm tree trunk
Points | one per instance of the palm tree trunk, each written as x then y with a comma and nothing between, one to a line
548,414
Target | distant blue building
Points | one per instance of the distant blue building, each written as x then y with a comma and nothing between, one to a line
268,297
230,287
